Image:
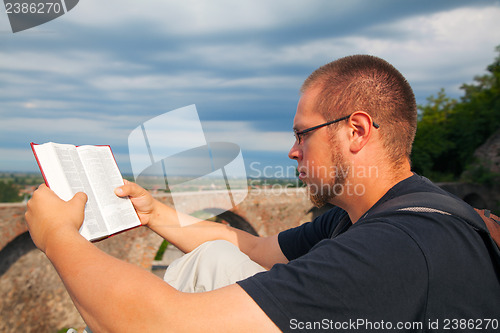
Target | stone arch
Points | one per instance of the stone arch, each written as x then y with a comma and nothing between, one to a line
32,297
14,250
232,219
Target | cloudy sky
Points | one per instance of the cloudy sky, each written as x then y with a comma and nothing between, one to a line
96,73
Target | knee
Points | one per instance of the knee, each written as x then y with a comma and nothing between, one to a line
218,247
220,251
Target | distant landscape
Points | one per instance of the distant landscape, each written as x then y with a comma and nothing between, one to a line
18,187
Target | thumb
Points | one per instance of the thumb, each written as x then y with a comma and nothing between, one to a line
129,189
79,199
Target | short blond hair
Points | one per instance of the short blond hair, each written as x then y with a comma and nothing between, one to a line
370,84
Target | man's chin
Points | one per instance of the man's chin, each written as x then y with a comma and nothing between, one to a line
319,198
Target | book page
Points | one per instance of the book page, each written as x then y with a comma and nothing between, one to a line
104,176
93,226
52,171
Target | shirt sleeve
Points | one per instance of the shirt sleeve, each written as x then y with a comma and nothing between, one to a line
359,275
298,241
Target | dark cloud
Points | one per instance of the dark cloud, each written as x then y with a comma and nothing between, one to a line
124,69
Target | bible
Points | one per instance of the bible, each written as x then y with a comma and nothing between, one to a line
68,169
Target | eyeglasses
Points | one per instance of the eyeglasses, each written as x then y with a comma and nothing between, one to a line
298,134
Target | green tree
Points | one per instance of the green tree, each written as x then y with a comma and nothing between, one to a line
478,115
9,192
432,141
449,131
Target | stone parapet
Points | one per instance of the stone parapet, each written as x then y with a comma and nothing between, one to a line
12,222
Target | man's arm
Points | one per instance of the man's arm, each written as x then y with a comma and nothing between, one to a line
164,220
114,296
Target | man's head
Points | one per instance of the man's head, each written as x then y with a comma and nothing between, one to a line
370,84
365,94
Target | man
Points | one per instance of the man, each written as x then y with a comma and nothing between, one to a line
354,127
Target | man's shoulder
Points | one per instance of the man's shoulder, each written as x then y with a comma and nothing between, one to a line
409,187
413,184
434,230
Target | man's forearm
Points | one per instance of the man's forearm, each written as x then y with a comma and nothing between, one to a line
103,287
264,251
188,232
114,296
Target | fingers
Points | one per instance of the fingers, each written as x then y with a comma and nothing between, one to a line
47,214
43,190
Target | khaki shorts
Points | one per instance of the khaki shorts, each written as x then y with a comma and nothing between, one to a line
210,266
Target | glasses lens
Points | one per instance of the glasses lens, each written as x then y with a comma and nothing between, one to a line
297,137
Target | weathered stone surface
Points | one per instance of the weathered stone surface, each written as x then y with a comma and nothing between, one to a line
32,297
11,222
270,212
488,154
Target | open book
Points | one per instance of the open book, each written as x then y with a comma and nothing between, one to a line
69,169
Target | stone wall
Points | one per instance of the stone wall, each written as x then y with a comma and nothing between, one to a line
11,222
270,212
33,298
488,154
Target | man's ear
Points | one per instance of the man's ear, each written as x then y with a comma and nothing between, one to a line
360,124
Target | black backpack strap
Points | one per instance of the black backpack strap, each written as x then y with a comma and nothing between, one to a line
431,202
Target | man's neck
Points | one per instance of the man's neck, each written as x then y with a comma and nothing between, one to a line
367,191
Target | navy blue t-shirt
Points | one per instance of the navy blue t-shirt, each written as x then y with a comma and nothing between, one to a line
423,272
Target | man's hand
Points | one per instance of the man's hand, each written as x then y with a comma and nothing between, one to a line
142,200
48,216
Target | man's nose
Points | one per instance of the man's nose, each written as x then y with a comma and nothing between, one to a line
295,152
